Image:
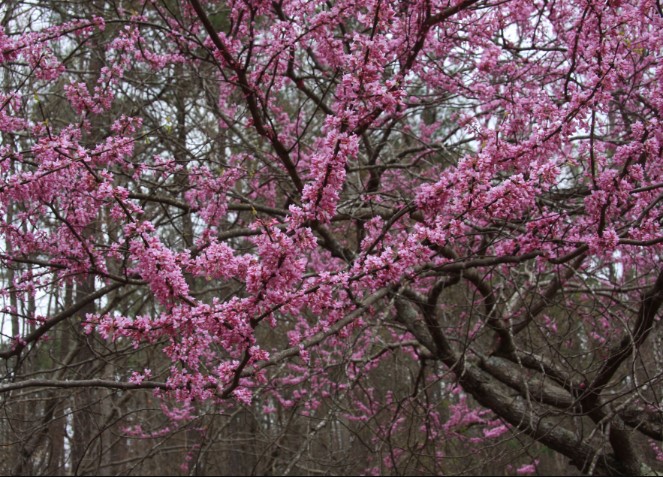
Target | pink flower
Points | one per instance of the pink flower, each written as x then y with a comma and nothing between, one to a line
528,468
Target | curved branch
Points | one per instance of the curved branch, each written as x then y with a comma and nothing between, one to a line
651,302
83,383
63,315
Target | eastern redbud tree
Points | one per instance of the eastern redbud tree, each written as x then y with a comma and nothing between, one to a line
376,236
